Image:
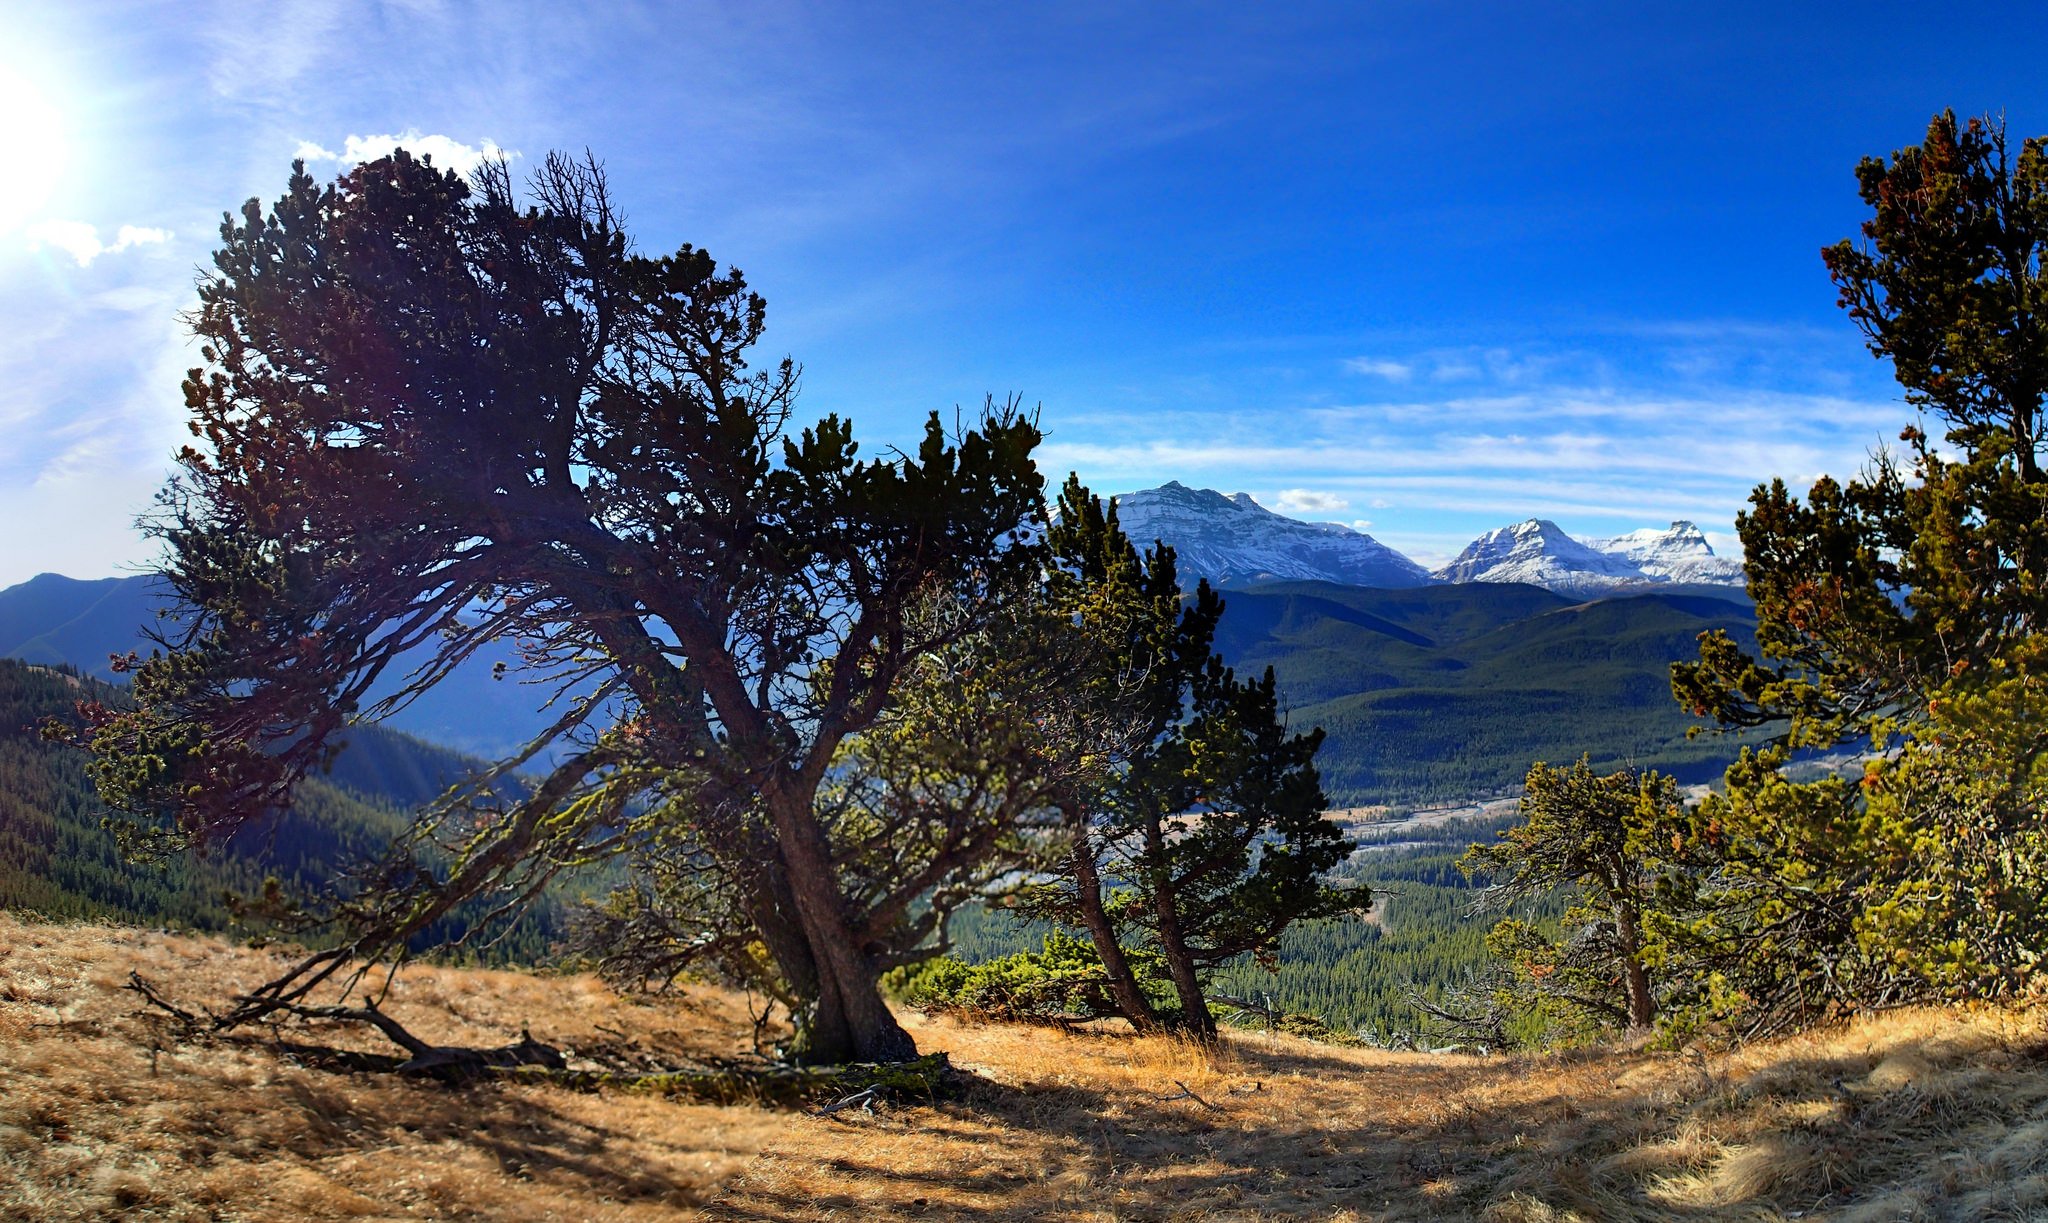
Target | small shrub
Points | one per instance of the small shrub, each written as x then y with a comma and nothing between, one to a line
1316,1028
1064,982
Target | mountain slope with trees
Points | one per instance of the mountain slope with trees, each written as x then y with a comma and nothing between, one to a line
60,857
1398,678
1444,693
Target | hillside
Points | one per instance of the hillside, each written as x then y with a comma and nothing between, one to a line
1430,693
1444,693
1922,1114
52,620
58,858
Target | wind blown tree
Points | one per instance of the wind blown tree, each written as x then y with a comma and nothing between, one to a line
1604,839
433,417
941,801
1902,611
1195,816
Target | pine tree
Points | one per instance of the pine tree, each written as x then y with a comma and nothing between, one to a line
432,417
1195,815
1902,612
1604,840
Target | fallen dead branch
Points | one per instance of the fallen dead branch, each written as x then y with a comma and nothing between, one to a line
1187,1093
529,1060
928,1078
454,1063
865,1097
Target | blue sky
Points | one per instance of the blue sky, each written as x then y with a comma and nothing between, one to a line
1427,267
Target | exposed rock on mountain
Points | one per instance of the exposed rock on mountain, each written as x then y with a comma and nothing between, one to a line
1679,553
1235,540
1540,553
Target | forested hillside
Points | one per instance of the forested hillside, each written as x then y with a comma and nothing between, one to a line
58,858
1421,937
55,620
1430,695
1445,693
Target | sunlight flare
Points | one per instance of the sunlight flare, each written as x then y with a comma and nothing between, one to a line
33,149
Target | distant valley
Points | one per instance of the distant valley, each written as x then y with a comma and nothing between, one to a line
52,619
1442,687
1433,687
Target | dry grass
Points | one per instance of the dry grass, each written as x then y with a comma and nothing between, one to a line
94,1124
1916,1115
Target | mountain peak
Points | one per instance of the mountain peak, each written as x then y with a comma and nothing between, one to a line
1679,553
1233,539
1537,551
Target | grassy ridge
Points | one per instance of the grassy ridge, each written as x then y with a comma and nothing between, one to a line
1923,1114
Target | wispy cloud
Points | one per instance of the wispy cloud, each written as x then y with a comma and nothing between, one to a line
259,59
1599,459
1378,367
1309,501
445,151
82,241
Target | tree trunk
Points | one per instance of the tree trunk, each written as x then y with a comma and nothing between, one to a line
850,1021
1195,1016
1123,983
771,907
1635,979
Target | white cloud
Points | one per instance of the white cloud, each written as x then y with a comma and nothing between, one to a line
447,152
1309,501
82,241
1373,367
1361,525
1466,363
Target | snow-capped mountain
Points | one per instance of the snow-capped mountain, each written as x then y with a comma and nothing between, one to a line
1233,540
1540,553
1679,553
1237,540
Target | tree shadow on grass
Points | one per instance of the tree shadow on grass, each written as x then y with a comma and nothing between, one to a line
526,1135
1623,1136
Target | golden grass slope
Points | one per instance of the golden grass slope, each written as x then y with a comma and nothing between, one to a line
1913,1115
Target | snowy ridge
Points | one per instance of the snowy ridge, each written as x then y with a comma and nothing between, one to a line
1540,553
1679,553
1235,540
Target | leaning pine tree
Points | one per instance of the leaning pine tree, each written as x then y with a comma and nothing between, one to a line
431,418
1904,612
1194,815
1604,840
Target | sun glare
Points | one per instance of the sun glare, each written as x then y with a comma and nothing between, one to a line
32,149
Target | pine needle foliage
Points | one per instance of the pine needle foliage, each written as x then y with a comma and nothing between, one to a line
1902,612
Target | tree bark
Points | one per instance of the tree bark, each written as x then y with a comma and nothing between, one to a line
1123,983
1195,1016
1642,1006
850,1021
